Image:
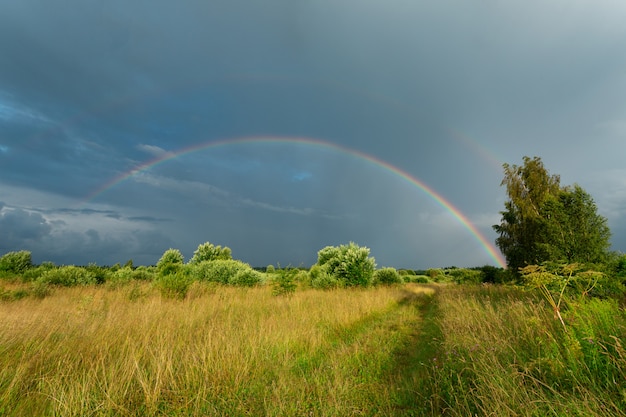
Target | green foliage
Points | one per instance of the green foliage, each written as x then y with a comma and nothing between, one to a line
501,353
435,274
68,276
562,283
321,279
32,274
209,252
464,276
619,266
171,262
120,277
13,295
100,273
419,279
174,285
349,264
387,276
220,271
493,275
143,273
543,221
574,231
40,289
246,277
285,281
16,262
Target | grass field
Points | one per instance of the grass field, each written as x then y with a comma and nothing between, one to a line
390,351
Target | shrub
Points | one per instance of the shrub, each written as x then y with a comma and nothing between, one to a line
40,289
174,285
209,252
34,273
285,281
387,276
16,262
247,277
465,276
100,273
67,276
321,279
143,273
435,274
420,279
221,271
120,277
349,264
171,262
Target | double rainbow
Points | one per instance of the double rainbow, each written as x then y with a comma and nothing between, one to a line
488,247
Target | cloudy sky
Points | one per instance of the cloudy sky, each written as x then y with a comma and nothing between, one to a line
279,127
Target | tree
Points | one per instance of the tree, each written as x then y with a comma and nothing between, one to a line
543,221
349,264
16,262
171,262
576,232
209,252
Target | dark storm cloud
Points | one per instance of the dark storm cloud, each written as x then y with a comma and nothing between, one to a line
91,90
148,219
22,226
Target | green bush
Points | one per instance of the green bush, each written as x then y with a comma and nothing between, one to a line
220,271
349,264
120,277
16,262
420,279
246,277
285,281
100,273
171,262
67,276
435,274
143,273
464,276
387,276
209,252
321,279
40,289
174,285
34,273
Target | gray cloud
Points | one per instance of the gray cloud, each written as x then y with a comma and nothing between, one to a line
446,92
22,226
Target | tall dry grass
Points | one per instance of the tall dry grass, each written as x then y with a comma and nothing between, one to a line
222,351
502,352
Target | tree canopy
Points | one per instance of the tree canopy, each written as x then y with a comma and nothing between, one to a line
543,221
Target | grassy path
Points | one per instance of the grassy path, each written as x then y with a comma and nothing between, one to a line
411,377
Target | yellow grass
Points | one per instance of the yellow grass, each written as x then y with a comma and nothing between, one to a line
222,351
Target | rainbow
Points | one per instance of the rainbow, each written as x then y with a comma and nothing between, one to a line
489,248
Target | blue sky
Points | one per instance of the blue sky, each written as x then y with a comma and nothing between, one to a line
444,91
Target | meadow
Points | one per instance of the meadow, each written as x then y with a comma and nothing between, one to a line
398,350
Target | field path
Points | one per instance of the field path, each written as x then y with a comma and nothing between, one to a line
417,356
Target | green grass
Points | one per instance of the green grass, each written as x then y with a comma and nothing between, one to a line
413,350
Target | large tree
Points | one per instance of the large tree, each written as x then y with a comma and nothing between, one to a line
543,221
